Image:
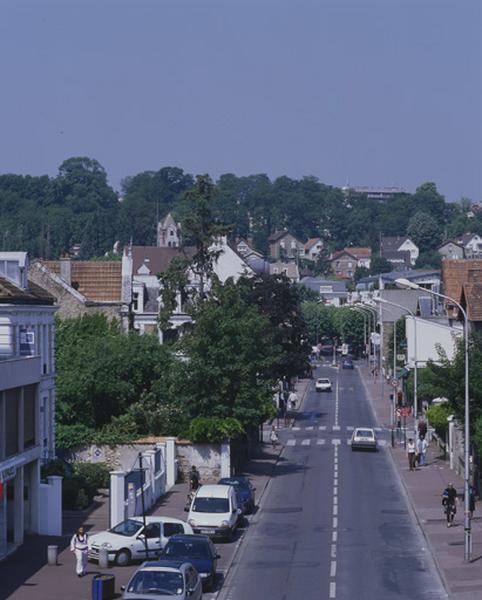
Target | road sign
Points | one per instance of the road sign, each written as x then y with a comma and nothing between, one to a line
405,411
400,357
394,383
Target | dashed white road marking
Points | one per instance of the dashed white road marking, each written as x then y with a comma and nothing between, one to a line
291,443
336,442
336,428
306,442
335,522
310,428
350,428
334,536
320,441
333,568
332,589
335,510
322,427
295,428
333,551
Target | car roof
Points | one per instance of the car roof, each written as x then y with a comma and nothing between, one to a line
323,379
365,429
189,537
165,565
234,479
155,519
214,491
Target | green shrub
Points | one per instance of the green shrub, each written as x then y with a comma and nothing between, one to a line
437,417
92,476
82,500
214,429
54,467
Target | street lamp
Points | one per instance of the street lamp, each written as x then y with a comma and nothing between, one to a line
415,373
405,283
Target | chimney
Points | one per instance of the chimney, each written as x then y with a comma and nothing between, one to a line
65,269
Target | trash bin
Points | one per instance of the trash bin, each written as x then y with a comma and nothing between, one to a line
103,587
103,558
52,554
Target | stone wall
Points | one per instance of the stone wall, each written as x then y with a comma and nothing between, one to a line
211,460
119,457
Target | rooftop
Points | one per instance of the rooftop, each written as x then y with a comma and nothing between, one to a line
12,294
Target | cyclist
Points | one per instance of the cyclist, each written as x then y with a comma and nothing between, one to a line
194,479
449,500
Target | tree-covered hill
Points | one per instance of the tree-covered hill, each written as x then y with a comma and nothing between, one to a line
48,215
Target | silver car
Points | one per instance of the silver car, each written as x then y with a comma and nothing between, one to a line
161,581
364,438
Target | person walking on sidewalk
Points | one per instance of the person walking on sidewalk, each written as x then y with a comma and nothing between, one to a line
273,436
422,446
449,502
411,450
79,545
471,501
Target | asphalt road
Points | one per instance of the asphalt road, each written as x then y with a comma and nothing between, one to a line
333,523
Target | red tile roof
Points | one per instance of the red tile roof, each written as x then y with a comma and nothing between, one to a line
456,274
156,259
359,252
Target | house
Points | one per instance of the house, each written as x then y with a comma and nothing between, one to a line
425,278
471,299
313,248
452,250
141,266
84,287
27,406
363,256
343,264
285,246
290,270
391,245
455,274
430,335
169,233
330,291
472,244
246,249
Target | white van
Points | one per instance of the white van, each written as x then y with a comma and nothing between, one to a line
214,511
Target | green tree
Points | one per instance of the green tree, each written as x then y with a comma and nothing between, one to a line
319,319
379,264
424,231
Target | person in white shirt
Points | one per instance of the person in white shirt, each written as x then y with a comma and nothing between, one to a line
79,545
422,446
411,454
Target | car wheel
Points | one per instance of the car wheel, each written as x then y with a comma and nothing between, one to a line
123,558
229,536
211,582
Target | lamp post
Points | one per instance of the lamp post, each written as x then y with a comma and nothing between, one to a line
405,283
415,373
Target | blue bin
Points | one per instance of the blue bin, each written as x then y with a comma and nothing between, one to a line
103,587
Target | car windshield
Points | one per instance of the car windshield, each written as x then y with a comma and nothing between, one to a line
128,527
211,505
323,381
237,482
364,433
191,550
156,582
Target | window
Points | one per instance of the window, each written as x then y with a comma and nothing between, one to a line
171,233
135,301
172,529
153,530
29,419
350,265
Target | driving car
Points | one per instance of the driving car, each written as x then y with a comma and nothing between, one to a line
323,384
161,581
363,438
127,540
244,492
214,511
347,363
197,550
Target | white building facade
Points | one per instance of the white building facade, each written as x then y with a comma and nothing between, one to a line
27,405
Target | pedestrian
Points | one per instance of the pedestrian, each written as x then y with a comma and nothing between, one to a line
449,502
194,478
293,400
411,454
273,436
422,428
79,545
422,446
471,501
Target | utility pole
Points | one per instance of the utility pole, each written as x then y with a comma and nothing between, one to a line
141,469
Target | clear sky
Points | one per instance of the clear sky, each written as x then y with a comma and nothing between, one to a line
365,92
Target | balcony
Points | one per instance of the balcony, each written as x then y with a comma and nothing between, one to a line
16,371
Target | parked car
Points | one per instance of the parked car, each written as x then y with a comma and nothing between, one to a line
323,384
363,438
244,492
162,581
127,540
197,550
347,363
214,511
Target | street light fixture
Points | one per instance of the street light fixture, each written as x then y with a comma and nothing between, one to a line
405,283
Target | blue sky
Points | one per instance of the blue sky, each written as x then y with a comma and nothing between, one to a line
365,92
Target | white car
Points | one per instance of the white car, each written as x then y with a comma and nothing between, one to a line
363,438
214,511
127,540
323,384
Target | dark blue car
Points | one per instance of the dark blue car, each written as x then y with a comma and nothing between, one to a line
196,549
244,492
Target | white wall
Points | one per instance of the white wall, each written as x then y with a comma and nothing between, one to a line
429,335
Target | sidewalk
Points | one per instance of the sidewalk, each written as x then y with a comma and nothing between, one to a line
25,575
424,488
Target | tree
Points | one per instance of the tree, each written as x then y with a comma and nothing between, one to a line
424,231
379,264
319,319
349,326
230,355
429,260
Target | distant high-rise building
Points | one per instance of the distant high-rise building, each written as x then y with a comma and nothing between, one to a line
375,193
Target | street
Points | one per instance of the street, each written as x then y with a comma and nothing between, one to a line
333,523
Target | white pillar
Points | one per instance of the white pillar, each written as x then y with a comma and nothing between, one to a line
225,459
19,507
162,448
117,499
34,495
170,462
55,504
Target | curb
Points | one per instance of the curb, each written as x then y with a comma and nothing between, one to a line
408,499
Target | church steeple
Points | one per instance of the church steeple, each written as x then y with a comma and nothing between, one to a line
169,233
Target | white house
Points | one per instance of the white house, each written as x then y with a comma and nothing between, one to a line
431,334
472,243
142,264
398,244
27,406
313,248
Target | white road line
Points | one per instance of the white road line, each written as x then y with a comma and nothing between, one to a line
332,589
350,428
295,428
335,490
335,510
333,568
348,442
333,551
291,443
335,481
336,428
306,442
320,441
335,522
334,536
335,499
336,442
322,427
309,428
